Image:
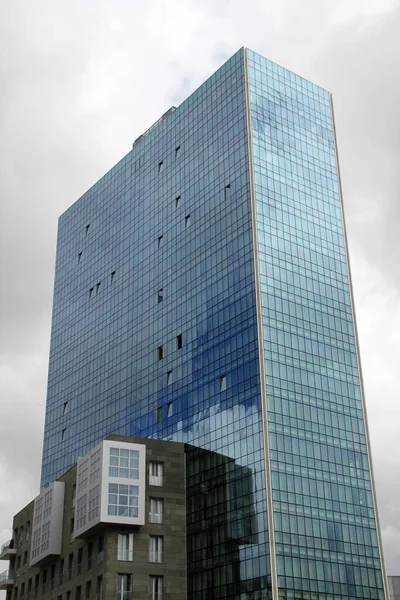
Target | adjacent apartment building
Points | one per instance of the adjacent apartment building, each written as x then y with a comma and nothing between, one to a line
121,524
394,587
203,296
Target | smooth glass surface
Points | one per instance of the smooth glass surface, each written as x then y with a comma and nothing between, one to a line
161,247
326,541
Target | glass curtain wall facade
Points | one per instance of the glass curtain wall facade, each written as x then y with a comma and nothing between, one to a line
202,295
325,530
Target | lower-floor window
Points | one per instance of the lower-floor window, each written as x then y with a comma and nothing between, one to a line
124,587
155,587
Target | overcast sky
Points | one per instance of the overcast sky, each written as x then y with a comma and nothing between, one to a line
81,79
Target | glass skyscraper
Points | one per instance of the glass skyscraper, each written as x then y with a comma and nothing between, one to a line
203,295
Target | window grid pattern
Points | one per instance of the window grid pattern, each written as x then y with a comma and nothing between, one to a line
81,511
326,540
123,500
124,463
95,466
47,504
45,538
94,503
199,283
83,475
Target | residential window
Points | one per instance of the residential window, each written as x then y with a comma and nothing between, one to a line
124,586
78,593
88,590
156,514
18,562
99,587
156,473
160,353
179,341
22,589
222,383
52,576
70,564
94,501
160,166
160,295
83,475
177,201
95,465
100,548
89,555
36,589
36,542
187,220
29,587
25,557
123,500
44,580
79,564
125,546
160,241
169,409
68,597
227,192
156,544
45,541
124,463
81,510
155,587
169,377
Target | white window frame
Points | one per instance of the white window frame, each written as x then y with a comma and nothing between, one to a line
156,549
156,513
156,473
125,546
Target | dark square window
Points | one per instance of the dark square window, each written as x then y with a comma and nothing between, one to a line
160,352
179,341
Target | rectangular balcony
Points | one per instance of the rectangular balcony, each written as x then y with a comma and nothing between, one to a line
8,550
6,580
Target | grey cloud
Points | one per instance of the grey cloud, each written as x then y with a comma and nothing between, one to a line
80,81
